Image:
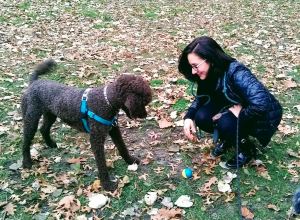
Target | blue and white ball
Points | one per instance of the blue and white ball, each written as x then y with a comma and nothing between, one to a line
187,173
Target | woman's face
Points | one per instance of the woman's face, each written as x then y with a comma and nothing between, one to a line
199,65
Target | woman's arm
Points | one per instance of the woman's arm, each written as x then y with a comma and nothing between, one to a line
253,93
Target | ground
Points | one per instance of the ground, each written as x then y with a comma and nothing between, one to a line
94,42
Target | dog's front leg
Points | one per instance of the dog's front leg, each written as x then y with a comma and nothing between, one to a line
97,139
117,139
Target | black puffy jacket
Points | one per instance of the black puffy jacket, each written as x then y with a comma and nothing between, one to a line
260,108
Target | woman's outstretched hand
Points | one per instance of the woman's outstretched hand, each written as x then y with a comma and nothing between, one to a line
236,110
189,129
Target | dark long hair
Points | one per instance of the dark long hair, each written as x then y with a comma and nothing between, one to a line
207,48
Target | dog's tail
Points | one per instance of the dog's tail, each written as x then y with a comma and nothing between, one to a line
41,69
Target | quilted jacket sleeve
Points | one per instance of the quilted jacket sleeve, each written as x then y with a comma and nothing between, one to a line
200,100
253,93
192,109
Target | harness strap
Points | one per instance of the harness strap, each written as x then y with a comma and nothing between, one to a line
101,120
85,113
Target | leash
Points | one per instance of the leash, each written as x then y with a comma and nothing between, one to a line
239,200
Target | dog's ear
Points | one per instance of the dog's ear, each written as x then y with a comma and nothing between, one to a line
134,106
128,85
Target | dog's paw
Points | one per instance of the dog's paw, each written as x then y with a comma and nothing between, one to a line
110,186
132,160
27,164
51,144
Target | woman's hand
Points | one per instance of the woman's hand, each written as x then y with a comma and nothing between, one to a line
189,129
236,110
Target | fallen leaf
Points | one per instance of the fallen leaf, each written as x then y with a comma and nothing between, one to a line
274,207
150,198
262,171
76,160
229,197
96,186
289,84
10,209
246,213
293,153
16,166
184,201
173,114
48,189
132,167
208,184
173,148
223,187
167,202
97,201
229,177
164,214
163,123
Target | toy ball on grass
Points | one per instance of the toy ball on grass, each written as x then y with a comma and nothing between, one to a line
187,173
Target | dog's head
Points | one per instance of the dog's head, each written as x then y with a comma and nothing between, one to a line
135,93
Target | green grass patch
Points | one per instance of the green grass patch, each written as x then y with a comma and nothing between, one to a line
181,105
25,5
101,25
90,13
261,68
229,27
182,82
150,13
3,19
156,82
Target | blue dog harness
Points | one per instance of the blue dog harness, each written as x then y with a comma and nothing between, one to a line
85,113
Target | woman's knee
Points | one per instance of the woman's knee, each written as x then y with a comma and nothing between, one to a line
203,120
227,125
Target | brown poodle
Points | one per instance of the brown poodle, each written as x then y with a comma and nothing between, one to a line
51,100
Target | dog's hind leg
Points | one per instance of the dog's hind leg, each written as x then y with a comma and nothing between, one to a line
117,139
48,120
31,120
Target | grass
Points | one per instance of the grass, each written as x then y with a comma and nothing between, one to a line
98,40
181,105
156,82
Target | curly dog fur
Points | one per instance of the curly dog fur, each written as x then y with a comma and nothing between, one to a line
51,100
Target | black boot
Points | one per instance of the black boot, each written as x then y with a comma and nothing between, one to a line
219,149
247,152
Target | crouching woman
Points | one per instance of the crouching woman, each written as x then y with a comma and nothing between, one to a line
230,102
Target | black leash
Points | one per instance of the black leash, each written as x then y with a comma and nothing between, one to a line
239,200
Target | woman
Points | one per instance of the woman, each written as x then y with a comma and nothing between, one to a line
230,101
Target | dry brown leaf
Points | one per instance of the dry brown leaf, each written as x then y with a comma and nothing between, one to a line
262,171
33,209
290,84
246,213
287,129
180,141
164,123
274,207
293,153
64,179
96,186
76,160
229,197
208,184
295,163
164,214
10,209
252,192
69,203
